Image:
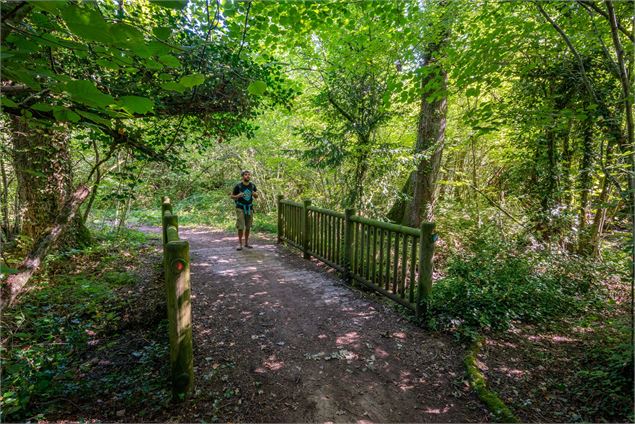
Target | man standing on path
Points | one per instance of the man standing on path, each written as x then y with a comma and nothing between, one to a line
243,195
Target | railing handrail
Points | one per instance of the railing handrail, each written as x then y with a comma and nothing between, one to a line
344,241
416,232
291,202
327,212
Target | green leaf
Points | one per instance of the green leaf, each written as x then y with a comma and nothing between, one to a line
171,4
472,92
173,86
162,33
86,23
48,5
141,50
64,114
42,107
158,48
190,81
85,92
153,64
136,104
107,64
8,102
257,87
126,34
6,270
95,118
26,46
23,75
170,61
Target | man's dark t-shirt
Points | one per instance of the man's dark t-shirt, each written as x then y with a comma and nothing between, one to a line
248,197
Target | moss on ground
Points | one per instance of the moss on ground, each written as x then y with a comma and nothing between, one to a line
499,410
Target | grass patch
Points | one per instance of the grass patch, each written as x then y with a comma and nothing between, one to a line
213,210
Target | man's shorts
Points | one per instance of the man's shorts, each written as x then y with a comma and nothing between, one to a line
243,221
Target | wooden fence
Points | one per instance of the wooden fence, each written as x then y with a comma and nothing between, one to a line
394,260
176,264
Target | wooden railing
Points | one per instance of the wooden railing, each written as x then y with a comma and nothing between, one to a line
394,260
176,264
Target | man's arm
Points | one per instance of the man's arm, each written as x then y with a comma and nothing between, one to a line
236,194
255,193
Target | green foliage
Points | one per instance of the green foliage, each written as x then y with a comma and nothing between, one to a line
608,369
497,282
59,324
257,87
102,65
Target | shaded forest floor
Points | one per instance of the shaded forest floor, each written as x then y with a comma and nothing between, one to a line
88,341
574,371
277,338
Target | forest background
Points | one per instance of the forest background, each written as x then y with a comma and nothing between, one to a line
508,124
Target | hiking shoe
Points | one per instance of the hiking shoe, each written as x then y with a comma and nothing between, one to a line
239,248
249,246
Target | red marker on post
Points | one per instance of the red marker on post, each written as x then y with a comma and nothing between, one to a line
179,265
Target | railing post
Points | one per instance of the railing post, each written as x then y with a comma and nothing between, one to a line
167,220
177,279
279,202
348,244
166,205
305,229
424,285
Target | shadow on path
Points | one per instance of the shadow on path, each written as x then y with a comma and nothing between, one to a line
279,339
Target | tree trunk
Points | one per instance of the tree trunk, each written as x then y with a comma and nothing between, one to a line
43,169
428,150
396,212
93,192
589,243
15,283
592,248
359,175
6,225
567,162
93,195
585,173
17,215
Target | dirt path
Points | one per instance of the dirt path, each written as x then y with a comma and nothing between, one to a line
281,339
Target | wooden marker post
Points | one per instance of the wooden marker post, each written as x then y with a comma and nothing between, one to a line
169,220
166,205
177,279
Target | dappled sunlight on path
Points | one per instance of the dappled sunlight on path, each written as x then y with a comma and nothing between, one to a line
291,342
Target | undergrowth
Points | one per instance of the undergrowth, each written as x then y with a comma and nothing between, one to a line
69,340
492,285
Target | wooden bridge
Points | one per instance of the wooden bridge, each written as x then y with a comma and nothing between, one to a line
289,340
